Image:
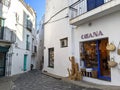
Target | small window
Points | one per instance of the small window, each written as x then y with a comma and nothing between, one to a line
51,57
64,42
27,43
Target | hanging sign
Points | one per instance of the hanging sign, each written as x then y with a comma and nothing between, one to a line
92,35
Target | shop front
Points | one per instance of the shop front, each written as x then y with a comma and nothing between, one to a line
92,53
95,59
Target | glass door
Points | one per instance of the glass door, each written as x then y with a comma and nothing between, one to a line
2,64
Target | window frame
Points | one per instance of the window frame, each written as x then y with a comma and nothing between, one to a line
27,42
49,61
65,40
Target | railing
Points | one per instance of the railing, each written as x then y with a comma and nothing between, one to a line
6,35
29,25
5,2
82,6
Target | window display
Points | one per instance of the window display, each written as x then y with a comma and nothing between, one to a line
95,57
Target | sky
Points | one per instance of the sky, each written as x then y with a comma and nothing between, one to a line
38,6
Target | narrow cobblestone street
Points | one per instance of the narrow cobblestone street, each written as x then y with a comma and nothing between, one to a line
35,80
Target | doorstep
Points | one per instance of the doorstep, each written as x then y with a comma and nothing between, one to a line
83,83
52,75
91,85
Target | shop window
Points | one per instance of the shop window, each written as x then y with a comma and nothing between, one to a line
95,59
64,42
51,57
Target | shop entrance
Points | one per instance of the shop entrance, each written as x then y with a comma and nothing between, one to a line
95,58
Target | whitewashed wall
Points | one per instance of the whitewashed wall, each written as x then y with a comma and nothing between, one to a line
53,33
109,25
40,44
19,47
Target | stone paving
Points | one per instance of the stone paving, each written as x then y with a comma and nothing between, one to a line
35,80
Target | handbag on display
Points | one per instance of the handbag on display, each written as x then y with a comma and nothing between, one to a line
110,47
118,49
112,63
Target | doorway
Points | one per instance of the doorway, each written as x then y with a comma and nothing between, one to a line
2,64
96,57
25,62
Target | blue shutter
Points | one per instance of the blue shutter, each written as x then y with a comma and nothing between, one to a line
99,2
90,4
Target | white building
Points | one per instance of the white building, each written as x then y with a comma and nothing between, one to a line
57,37
17,42
40,45
94,24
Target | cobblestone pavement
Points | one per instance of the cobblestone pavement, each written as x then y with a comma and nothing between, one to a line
35,80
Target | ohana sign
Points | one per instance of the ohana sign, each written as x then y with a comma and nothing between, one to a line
92,35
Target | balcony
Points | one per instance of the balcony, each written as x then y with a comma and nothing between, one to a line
29,25
5,2
7,36
84,11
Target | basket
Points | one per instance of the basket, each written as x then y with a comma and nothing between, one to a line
94,74
112,63
110,47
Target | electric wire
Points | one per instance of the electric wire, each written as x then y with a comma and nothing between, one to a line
56,14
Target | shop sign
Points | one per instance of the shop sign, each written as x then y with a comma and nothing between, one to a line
92,35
